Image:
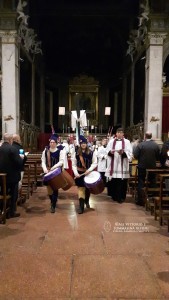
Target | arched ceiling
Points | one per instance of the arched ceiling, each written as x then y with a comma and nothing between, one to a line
84,36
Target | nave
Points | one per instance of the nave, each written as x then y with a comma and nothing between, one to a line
112,251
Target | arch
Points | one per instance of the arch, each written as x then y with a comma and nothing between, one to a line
165,51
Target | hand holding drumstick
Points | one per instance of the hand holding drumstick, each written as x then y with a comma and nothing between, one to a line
83,174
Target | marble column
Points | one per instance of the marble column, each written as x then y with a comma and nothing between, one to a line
153,90
10,82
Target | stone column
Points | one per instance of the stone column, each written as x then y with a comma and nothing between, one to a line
51,107
153,90
10,82
33,95
115,108
124,102
132,95
42,104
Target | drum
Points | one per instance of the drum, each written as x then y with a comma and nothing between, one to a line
69,180
55,179
94,182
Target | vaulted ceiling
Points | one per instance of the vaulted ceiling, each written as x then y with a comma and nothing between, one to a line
84,36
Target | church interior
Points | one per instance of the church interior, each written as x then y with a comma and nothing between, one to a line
59,59
84,55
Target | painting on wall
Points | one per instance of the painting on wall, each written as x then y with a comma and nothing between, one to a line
84,101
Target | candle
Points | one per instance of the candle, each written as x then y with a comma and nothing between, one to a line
96,129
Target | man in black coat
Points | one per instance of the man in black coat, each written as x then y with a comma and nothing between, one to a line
18,145
11,163
147,153
164,154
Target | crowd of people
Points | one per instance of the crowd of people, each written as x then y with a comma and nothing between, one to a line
110,157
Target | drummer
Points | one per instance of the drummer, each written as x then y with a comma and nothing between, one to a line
52,158
83,162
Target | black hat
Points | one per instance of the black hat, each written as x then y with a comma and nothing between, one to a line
82,139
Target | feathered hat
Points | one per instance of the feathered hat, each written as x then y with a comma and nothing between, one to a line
82,139
54,137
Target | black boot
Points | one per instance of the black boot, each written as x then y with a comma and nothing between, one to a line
81,206
87,203
52,209
53,203
87,195
140,199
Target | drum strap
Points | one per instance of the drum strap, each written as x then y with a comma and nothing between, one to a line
112,159
48,159
82,161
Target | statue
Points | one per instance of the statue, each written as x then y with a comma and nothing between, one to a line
21,13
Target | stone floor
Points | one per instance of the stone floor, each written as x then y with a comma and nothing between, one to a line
112,251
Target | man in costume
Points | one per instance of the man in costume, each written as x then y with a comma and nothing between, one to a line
119,152
53,157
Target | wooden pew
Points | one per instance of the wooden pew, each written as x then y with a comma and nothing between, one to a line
26,183
35,161
29,181
151,192
133,180
162,202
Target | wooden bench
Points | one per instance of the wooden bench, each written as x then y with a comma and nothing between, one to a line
35,161
27,187
161,208
151,192
133,180
4,197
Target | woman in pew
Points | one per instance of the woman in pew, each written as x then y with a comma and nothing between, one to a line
52,157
